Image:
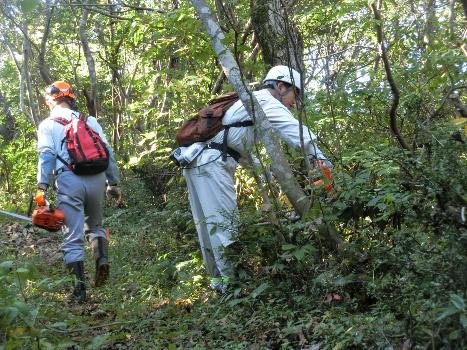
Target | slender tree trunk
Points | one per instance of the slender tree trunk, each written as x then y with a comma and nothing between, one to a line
452,17
280,167
430,23
92,95
7,129
279,39
464,4
33,108
390,78
43,69
221,79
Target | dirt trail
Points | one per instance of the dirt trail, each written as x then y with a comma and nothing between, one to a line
18,240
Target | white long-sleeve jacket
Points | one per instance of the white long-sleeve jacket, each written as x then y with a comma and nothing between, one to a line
241,139
50,135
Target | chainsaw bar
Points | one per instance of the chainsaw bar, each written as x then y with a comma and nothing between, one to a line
18,216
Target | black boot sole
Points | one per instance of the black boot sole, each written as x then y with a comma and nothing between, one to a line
102,274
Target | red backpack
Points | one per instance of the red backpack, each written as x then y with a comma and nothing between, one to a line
88,153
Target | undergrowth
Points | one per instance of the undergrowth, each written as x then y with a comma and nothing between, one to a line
399,280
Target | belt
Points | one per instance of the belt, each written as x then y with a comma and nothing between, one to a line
231,152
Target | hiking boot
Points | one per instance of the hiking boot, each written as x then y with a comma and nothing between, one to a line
218,285
100,247
79,292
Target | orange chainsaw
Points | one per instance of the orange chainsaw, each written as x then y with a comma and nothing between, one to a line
46,217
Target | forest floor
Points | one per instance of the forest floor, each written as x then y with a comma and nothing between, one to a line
157,295
148,302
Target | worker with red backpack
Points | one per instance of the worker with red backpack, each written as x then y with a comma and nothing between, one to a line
209,165
73,150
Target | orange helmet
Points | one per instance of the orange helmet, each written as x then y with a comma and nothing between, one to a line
59,89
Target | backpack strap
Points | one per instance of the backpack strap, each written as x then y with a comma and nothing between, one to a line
63,161
225,148
64,122
228,151
61,120
83,117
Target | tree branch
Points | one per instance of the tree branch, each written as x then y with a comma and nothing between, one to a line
221,78
92,96
390,78
41,59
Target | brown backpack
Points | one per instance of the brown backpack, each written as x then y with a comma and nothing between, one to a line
207,122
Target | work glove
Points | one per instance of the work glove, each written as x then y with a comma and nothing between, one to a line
39,197
114,191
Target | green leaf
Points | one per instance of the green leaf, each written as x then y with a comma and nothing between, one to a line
6,266
463,320
236,302
9,313
22,270
373,202
259,290
286,247
457,301
454,335
97,342
59,325
28,5
447,312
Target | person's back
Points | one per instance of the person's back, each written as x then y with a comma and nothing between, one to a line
80,198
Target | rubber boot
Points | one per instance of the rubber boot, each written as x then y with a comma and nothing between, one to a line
100,247
79,292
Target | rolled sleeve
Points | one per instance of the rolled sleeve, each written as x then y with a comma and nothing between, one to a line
113,172
47,154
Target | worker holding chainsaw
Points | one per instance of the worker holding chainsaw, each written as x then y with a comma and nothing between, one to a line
74,151
210,166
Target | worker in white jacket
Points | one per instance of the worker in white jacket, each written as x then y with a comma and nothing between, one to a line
80,197
210,179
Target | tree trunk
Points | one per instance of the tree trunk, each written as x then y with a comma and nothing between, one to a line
280,167
392,83
7,129
92,95
464,5
246,33
20,78
280,43
43,69
279,39
33,108
430,23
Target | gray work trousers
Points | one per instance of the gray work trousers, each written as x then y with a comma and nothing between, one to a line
213,202
81,199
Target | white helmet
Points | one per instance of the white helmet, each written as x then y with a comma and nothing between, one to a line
282,73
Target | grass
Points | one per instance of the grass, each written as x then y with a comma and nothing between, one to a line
294,296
